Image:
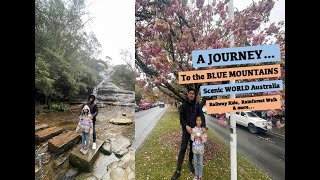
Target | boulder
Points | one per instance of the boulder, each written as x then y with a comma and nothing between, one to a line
121,120
119,145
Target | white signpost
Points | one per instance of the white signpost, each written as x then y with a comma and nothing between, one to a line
233,129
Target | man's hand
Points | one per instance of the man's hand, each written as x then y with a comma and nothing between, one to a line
204,130
189,129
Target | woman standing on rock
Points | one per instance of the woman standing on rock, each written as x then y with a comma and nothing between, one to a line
94,111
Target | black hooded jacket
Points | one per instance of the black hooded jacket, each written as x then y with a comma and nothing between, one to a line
188,113
93,107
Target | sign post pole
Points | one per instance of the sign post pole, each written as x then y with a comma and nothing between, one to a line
233,132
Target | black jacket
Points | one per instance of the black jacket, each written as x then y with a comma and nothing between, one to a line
188,113
93,108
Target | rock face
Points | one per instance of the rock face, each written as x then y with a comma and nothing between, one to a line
47,134
84,162
63,142
110,94
119,145
121,120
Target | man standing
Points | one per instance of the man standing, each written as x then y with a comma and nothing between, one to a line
188,113
94,111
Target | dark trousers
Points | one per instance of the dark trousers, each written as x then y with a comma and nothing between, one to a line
94,131
183,148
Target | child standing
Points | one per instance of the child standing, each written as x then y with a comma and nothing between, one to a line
85,123
198,138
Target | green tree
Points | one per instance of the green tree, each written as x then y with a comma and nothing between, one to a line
122,75
66,63
138,95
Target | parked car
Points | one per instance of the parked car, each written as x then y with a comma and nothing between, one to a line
204,109
161,105
144,106
252,121
218,115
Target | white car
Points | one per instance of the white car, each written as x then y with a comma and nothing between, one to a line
204,109
252,121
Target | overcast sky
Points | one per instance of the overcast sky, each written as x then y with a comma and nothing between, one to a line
113,24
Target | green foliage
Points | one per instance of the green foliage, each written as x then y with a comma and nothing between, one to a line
65,54
138,95
122,75
43,81
56,107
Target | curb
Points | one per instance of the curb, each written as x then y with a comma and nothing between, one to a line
276,134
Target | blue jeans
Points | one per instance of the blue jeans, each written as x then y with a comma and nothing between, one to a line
85,139
198,164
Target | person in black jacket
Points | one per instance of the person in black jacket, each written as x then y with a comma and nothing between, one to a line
189,110
94,111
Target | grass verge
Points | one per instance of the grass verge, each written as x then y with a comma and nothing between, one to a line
157,158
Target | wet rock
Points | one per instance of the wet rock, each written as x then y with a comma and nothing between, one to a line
71,172
128,160
100,105
119,145
84,161
110,94
36,170
118,173
86,176
46,158
106,148
42,148
123,169
47,133
120,104
59,161
40,127
91,178
100,167
121,121
106,176
63,142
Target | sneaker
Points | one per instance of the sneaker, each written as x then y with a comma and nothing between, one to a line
191,168
195,178
85,151
94,145
176,175
81,150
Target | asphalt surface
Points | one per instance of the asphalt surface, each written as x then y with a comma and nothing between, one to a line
145,121
265,150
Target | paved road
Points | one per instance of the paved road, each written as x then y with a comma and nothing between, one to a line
264,150
145,120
